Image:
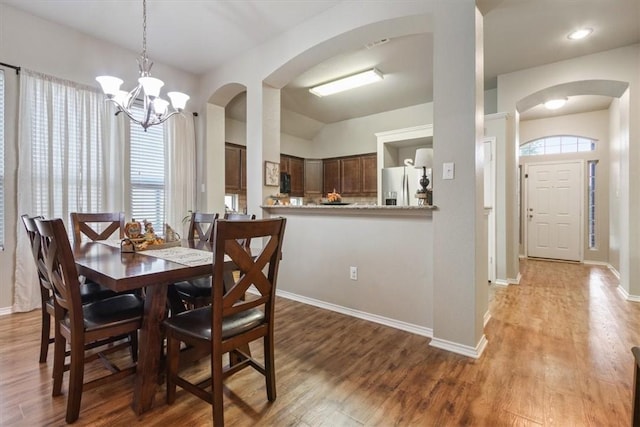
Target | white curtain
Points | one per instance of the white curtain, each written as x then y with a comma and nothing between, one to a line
67,137
180,185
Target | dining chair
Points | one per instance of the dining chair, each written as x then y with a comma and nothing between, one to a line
80,325
97,226
201,225
196,292
231,322
234,216
89,291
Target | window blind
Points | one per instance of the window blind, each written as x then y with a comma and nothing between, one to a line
147,173
1,159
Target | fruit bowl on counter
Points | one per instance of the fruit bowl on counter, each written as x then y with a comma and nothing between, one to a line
334,198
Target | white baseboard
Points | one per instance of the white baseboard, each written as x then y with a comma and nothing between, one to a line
464,350
614,271
627,295
487,317
509,281
5,310
397,324
602,263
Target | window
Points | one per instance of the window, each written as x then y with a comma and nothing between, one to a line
67,162
557,144
231,202
147,173
591,202
1,159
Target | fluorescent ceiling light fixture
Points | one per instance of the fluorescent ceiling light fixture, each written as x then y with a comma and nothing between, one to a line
554,104
346,83
580,34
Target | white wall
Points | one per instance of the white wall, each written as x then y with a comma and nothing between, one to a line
236,133
593,125
40,45
320,247
357,136
615,202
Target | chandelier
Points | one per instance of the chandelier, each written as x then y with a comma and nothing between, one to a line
155,109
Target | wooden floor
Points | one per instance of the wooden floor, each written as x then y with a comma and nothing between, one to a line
558,354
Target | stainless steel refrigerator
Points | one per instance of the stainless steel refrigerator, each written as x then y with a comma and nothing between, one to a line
404,181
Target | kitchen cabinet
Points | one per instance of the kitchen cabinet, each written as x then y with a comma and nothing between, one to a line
352,176
331,175
284,164
312,177
235,168
370,174
294,166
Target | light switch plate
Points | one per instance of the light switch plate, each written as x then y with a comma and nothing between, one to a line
448,170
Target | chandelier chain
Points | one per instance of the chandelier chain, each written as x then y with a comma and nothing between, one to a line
144,28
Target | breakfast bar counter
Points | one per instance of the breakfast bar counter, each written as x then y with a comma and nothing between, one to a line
358,258
351,209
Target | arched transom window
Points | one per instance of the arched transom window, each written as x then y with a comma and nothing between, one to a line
557,144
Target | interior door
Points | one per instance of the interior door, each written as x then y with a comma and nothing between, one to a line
554,210
489,204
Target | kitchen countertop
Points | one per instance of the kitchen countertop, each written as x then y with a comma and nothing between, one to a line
352,209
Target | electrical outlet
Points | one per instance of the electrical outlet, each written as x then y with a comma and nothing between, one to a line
353,273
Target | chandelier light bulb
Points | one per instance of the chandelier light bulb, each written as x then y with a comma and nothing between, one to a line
122,97
110,85
178,100
160,106
151,86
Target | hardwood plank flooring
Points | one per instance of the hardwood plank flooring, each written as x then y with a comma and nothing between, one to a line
558,355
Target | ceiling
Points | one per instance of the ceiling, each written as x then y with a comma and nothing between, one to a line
518,34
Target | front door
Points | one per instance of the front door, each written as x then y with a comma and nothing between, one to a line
554,207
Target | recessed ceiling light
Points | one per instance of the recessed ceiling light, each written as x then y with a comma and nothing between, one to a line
579,34
554,104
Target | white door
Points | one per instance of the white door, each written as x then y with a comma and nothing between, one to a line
554,207
489,204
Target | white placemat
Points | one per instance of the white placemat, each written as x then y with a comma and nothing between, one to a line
185,256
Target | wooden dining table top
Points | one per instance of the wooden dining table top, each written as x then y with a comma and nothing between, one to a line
121,271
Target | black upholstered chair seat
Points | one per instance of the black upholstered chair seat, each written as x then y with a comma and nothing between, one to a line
112,311
197,323
90,292
196,288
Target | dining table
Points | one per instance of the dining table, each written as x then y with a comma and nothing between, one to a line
154,270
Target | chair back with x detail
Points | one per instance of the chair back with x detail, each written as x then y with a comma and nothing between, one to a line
45,286
85,224
201,225
231,321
